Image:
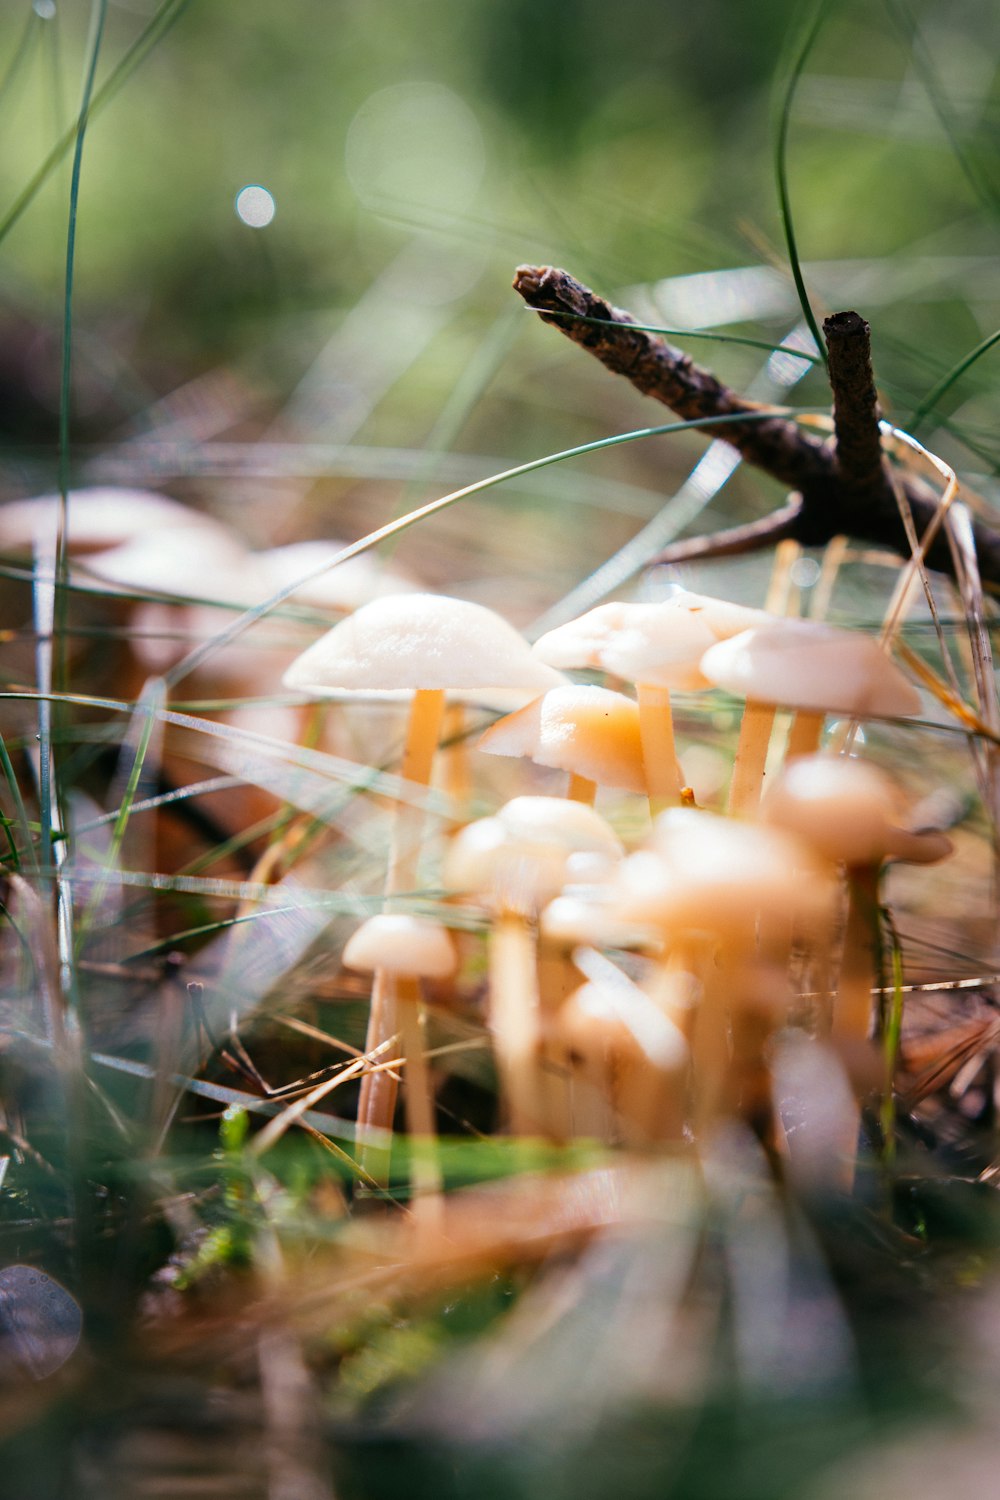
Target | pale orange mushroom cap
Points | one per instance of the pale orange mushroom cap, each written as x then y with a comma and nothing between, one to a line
849,811
393,647
712,874
589,731
805,664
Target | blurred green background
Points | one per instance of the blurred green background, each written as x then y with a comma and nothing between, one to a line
415,154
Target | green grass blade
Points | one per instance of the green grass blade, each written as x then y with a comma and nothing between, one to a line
692,333
167,15
28,35
809,35
930,402
972,171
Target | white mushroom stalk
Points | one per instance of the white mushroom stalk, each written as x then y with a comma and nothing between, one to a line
808,666
418,647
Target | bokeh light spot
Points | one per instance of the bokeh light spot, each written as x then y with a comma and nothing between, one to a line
255,206
415,144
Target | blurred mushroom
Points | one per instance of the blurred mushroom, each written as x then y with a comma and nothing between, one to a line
805,665
516,863
416,647
852,815
406,949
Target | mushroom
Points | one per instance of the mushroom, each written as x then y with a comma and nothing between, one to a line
517,862
406,949
852,814
97,519
346,587
631,1053
417,647
809,666
658,647
590,732
708,877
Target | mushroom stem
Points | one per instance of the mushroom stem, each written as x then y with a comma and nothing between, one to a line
659,753
852,1006
423,731
457,780
377,1098
514,1019
852,1009
751,757
581,789
804,734
425,1172
710,1049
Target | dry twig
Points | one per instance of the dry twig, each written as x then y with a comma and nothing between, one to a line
839,488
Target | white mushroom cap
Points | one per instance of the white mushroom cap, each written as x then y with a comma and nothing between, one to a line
660,644
519,857
610,1025
848,811
579,642
572,826
393,647
403,945
202,565
808,665
98,518
577,917
346,587
590,731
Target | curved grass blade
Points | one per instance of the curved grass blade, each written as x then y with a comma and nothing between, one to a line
809,35
393,528
923,65
692,333
20,54
930,402
160,23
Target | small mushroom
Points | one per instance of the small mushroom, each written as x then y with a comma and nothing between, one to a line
416,647
809,666
590,732
406,949
852,814
631,1053
707,877
659,648
516,862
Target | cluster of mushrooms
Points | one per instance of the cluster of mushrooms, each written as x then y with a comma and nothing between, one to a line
636,997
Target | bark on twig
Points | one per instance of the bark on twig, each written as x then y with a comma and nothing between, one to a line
852,497
858,443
